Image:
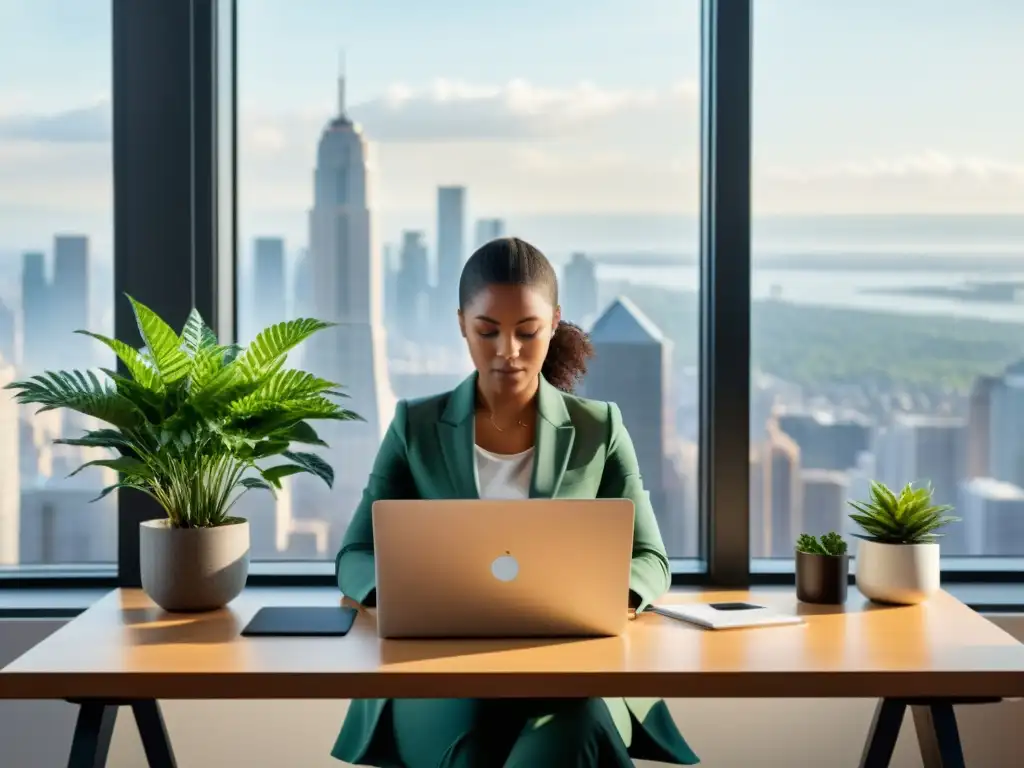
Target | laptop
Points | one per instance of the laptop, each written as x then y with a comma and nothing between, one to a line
491,568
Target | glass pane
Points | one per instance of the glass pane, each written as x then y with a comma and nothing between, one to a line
376,154
888,265
56,271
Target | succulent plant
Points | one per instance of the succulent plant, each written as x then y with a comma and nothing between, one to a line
909,518
831,544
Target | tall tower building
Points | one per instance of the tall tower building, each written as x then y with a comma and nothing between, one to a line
923,449
70,298
268,283
579,301
979,426
451,226
37,350
626,341
413,287
8,334
10,476
347,290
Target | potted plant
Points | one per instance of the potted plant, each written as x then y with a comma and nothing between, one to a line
898,555
822,569
195,424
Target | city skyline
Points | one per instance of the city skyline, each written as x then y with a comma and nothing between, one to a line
583,152
853,134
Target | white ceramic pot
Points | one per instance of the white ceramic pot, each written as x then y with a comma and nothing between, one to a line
902,574
193,569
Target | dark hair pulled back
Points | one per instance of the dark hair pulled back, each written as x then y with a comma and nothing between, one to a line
511,261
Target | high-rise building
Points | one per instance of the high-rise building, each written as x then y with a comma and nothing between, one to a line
268,300
487,230
451,226
8,334
827,440
1006,448
979,426
579,290
10,480
992,519
37,350
70,299
347,290
413,286
626,341
824,508
776,493
923,449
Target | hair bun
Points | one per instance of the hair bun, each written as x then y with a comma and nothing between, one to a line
566,361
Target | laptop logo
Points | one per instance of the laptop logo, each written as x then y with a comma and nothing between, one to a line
505,567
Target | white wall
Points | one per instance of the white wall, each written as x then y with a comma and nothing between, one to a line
725,733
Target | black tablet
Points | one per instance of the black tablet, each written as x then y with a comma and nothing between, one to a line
298,621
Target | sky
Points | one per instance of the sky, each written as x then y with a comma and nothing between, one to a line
545,107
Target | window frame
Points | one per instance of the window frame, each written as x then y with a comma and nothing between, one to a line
173,256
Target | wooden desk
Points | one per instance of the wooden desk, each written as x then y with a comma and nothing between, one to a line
123,650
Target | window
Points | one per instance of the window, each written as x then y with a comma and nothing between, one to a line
888,229
374,155
56,271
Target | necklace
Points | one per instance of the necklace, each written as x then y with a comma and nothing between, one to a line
495,424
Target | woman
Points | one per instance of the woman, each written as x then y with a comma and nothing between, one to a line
500,434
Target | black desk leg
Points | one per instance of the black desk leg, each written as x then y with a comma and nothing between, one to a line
93,730
155,740
885,730
937,735
95,726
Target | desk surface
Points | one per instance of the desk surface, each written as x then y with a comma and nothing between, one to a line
124,647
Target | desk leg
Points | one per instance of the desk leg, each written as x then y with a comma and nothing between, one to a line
885,730
93,730
155,739
937,735
95,726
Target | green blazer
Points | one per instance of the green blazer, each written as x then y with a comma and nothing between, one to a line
582,451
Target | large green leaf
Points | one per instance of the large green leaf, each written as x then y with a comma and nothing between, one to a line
281,387
137,365
103,438
276,341
312,464
123,464
196,335
77,391
164,345
273,475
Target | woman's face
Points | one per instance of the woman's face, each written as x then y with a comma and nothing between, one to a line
508,329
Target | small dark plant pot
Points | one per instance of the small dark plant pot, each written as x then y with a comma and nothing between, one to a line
822,578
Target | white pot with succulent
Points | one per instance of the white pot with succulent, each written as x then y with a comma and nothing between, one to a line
898,555
194,424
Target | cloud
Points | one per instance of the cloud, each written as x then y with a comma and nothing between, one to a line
456,111
929,165
83,125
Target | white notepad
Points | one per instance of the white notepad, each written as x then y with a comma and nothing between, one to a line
726,615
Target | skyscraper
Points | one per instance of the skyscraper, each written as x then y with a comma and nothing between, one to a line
413,285
10,480
487,230
37,351
268,282
69,299
451,226
923,449
347,290
579,302
626,341
8,335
